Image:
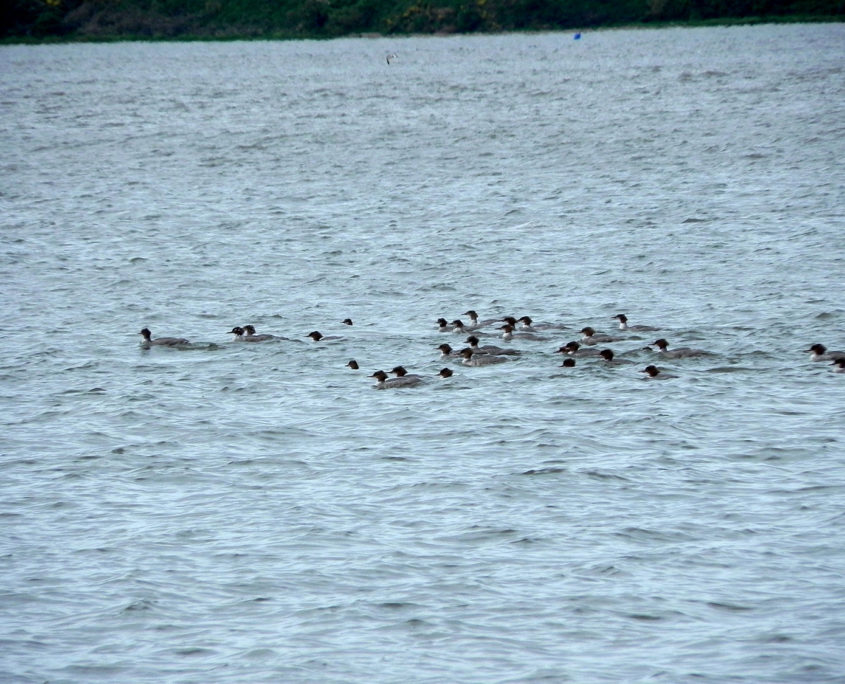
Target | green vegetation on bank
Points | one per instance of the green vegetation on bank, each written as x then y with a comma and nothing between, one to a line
222,19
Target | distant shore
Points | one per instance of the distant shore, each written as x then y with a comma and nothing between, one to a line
68,21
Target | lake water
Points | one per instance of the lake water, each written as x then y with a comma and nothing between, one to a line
233,512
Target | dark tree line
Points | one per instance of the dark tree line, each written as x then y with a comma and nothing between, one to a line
115,19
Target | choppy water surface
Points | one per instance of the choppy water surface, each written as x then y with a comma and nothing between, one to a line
258,513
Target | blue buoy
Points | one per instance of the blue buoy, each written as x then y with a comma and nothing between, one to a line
577,36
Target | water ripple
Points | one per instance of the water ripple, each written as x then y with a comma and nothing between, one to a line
256,512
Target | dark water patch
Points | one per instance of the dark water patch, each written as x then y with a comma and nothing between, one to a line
398,605
647,535
729,369
479,534
776,638
599,475
140,605
193,652
552,470
728,607
527,541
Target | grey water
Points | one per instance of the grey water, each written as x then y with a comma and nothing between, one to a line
244,512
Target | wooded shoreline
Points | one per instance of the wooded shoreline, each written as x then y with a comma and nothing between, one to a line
107,20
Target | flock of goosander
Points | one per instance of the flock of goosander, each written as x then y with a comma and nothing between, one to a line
523,328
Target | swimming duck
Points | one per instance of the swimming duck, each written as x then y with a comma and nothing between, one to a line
459,328
680,353
522,324
623,325
447,351
590,336
654,373
250,335
818,352
407,379
148,340
574,349
317,336
528,324
475,322
509,334
472,340
384,382
471,359
608,357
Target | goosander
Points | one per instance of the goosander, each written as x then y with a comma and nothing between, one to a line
472,340
443,325
654,373
459,328
238,332
383,382
406,377
317,336
818,352
523,323
445,373
568,363
481,360
575,349
680,353
347,321
148,340
509,334
528,324
401,372
447,351
623,325
475,323
607,355
381,379
353,364
250,335
589,336
840,365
